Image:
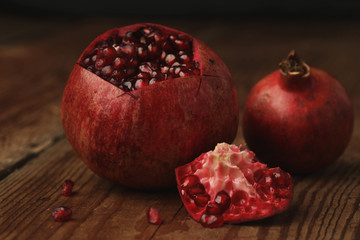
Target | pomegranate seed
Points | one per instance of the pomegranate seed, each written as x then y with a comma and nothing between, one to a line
154,50
109,53
145,68
154,216
114,81
129,37
172,37
262,177
142,53
211,221
119,63
170,59
143,75
127,85
189,181
196,189
184,58
201,200
133,62
223,200
118,74
214,209
61,214
128,50
67,187
158,38
152,81
107,71
140,84
145,31
100,63
130,72
281,179
94,58
87,61
240,198
164,69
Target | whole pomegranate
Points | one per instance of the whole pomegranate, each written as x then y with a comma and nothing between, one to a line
298,118
227,185
144,99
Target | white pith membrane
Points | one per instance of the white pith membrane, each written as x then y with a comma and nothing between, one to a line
221,170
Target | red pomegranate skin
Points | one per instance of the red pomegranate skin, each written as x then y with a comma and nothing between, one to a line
300,124
138,138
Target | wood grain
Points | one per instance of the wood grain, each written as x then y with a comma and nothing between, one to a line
35,157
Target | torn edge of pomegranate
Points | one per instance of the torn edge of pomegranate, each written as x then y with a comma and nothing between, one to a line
141,67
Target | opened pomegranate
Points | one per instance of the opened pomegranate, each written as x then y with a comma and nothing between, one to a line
298,118
144,99
227,185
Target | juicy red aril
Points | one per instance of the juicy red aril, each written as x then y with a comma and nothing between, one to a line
61,214
211,221
189,181
223,200
153,216
214,209
144,46
240,198
201,199
196,189
262,177
281,178
67,187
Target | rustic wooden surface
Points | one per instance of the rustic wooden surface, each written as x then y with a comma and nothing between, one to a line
36,57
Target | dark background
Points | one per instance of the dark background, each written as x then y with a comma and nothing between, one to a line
166,8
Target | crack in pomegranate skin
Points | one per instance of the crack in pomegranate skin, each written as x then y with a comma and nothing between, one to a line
228,185
141,58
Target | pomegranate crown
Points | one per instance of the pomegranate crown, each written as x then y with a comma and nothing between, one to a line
294,66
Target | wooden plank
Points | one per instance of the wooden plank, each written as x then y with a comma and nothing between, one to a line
36,158
101,209
325,205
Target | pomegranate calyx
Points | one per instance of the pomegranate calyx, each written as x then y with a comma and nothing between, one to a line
294,67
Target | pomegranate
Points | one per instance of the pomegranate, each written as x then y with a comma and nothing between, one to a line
298,118
144,99
227,185
153,216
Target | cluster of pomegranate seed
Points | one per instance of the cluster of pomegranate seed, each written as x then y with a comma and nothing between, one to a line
61,214
67,187
153,216
271,186
141,58
212,217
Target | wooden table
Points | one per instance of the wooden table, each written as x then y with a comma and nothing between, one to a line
36,57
